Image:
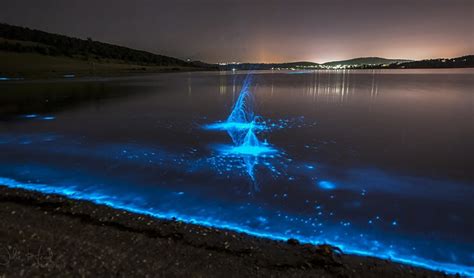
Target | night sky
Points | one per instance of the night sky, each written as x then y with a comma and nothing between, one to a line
261,30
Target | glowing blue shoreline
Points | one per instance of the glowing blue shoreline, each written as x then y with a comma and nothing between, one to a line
242,126
215,184
113,202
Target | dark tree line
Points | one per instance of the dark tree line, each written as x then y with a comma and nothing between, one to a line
459,62
53,44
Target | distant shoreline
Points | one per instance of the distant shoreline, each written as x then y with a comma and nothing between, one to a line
37,66
18,69
35,54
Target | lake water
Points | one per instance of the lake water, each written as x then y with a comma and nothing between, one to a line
376,162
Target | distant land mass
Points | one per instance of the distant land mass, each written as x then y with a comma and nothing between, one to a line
26,52
359,63
365,61
458,62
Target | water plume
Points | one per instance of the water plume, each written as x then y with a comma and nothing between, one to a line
242,126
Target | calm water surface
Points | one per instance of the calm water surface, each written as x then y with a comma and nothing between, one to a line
376,162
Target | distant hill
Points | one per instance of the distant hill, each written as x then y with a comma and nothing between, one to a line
25,40
358,63
458,62
365,61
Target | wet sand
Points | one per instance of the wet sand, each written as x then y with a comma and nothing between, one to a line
51,236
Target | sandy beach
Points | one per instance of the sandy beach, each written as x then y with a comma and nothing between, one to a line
49,235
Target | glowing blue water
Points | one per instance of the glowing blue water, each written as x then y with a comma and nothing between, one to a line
279,175
4,78
242,114
327,185
36,116
250,151
241,126
254,150
136,190
232,216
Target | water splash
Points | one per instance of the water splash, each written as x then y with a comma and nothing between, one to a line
312,202
242,125
242,115
250,151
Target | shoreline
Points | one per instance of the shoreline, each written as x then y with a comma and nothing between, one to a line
42,234
16,78
34,66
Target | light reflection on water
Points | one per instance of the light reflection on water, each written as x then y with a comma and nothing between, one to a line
375,162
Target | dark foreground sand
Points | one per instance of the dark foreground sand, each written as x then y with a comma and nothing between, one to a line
43,235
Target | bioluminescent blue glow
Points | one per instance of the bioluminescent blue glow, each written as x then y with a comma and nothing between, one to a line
260,169
48,118
5,78
30,116
326,185
38,117
225,126
242,125
242,111
256,150
113,175
230,218
259,125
